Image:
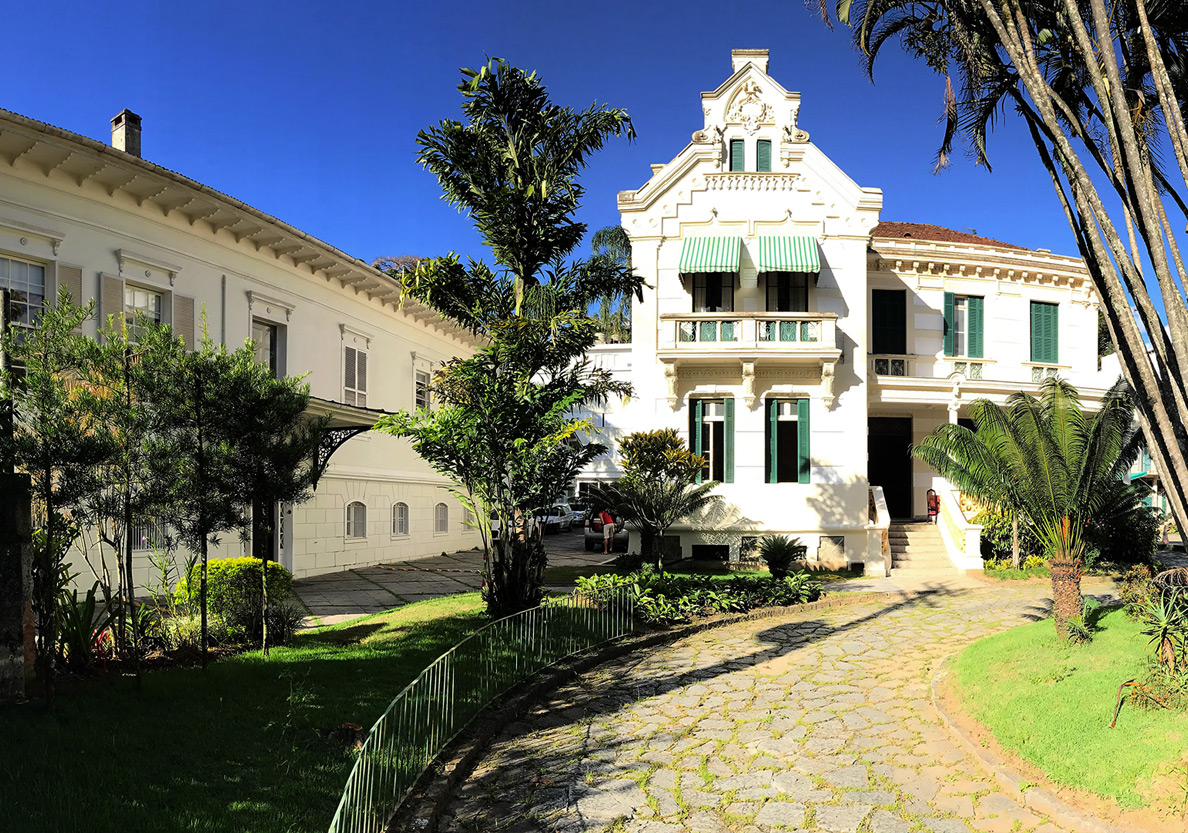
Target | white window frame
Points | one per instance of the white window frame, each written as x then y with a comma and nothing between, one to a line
422,397
355,527
355,394
46,289
400,520
131,288
441,519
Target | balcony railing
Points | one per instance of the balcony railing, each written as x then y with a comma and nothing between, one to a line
778,332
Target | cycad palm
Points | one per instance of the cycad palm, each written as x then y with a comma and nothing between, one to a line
652,505
1049,461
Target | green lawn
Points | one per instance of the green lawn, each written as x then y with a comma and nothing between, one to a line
239,748
1052,704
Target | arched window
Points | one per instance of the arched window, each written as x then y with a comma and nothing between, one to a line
441,518
356,520
400,519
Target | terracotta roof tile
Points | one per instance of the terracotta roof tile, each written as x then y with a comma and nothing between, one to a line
940,234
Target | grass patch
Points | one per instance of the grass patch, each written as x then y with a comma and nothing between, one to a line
239,748
1052,703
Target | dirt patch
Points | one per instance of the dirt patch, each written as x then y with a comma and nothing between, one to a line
1168,812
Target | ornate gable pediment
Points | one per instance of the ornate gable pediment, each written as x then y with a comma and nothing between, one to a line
749,109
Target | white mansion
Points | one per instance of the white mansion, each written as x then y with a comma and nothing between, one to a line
798,342
112,226
802,345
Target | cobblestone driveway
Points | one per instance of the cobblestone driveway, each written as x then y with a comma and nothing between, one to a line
821,722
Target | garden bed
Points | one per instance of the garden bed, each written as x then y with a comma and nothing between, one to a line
247,745
1049,705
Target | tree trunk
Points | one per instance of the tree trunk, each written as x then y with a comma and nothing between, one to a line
1015,541
202,602
649,549
1066,593
44,589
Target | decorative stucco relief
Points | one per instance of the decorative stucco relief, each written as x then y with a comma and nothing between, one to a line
750,110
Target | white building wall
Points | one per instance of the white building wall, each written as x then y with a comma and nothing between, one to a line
232,281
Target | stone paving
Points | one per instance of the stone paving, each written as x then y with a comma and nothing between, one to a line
336,597
817,720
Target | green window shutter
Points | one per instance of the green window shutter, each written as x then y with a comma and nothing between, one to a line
728,436
697,432
1045,342
803,458
763,155
737,155
773,445
976,318
950,322
1053,333
889,321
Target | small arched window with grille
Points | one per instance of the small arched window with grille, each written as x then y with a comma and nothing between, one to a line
400,519
356,520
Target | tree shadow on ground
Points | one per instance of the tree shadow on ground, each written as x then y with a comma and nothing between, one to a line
583,706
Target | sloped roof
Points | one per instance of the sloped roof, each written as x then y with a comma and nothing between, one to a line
939,234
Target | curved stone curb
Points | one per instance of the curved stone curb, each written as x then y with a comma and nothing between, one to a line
422,809
1013,784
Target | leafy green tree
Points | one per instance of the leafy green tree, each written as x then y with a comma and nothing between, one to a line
614,314
58,442
502,427
1099,86
1047,459
126,380
657,489
275,447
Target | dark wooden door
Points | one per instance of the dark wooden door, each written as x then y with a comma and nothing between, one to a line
889,465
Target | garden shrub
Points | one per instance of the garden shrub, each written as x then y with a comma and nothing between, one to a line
233,592
779,551
1128,539
996,538
1135,587
665,599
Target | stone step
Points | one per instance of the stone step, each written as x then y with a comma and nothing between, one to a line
896,558
921,572
938,549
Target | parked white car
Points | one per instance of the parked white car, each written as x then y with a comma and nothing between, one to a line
557,518
534,527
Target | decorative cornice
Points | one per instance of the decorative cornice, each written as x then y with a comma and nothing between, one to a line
125,257
22,230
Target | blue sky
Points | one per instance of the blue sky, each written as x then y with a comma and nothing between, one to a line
310,111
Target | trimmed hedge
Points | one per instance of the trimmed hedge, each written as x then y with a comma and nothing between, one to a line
233,591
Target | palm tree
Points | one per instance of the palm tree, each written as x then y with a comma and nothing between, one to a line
1100,87
1050,462
612,244
652,505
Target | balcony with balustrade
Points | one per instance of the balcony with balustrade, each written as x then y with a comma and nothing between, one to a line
747,341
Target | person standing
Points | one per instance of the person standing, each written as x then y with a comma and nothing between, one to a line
608,532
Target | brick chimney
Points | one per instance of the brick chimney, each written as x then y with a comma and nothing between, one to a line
125,132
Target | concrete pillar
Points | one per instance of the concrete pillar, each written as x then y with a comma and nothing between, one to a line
16,585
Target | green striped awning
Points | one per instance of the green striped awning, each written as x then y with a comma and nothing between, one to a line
788,254
710,254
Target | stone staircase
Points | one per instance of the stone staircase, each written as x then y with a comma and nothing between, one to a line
917,551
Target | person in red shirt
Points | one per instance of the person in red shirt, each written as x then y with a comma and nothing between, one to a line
608,532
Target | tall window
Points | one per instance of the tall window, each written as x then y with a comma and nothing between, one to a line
738,155
711,434
264,337
141,308
27,282
422,398
787,435
354,377
889,321
963,325
400,519
713,292
787,291
356,520
441,518
1045,336
763,155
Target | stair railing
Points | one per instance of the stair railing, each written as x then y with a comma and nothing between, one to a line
963,540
